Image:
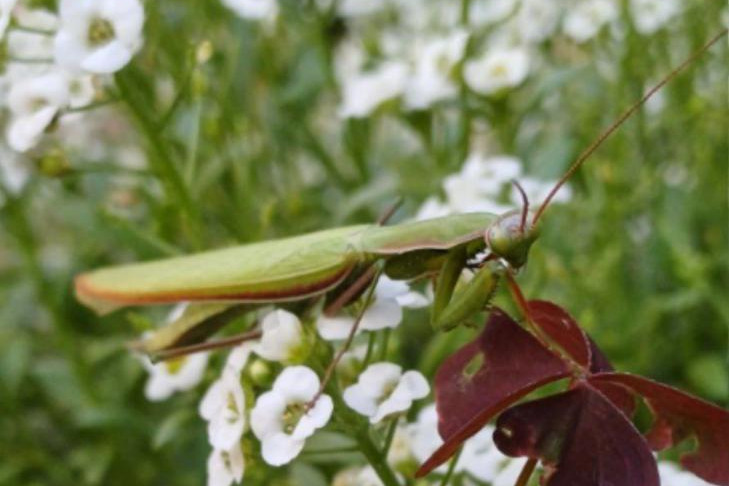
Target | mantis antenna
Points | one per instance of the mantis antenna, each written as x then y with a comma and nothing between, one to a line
620,120
525,205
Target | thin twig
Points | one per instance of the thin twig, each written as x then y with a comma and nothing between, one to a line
208,345
525,205
388,438
526,472
345,297
385,217
619,121
352,332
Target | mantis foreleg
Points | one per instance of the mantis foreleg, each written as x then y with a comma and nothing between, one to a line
452,307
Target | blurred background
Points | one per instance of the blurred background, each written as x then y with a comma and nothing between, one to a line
236,123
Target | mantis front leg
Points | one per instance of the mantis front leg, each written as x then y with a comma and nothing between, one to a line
452,307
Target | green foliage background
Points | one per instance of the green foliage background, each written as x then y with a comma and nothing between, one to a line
240,153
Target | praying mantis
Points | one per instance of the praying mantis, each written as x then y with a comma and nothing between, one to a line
336,265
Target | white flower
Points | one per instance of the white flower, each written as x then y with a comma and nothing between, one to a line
537,189
283,336
537,19
424,436
225,467
32,45
99,36
173,375
280,419
671,475
34,103
13,172
480,456
431,208
223,406
238,356
431,81
364,92
651,15
356,8
383,389
483,460
484,12
253,9
385,311
400,452
508,475
6,10
497,71
357,476
479,183
586,19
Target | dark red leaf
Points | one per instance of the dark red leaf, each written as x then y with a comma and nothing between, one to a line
598,360
487,375
581,439
679,416
620,396
562,329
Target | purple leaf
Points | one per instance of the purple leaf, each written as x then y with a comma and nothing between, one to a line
581,439
679,416
487,375
562,329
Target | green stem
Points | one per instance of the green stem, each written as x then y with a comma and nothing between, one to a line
20,229
192,147
331,450
385,342
451,468
391,429
376,460
162,160
370,346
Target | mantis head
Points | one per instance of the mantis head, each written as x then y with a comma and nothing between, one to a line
511,236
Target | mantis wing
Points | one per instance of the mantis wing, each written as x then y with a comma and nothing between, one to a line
279,270
433,234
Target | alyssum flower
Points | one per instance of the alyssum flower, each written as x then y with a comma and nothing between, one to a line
281,418
98,36
385,311
383,389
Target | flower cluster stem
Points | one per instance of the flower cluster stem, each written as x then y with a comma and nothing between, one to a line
377,460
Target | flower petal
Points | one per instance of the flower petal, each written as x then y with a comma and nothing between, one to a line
382,314
334,328
108,58
279,448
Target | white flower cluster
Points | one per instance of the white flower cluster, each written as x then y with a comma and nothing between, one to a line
385,311
480,184
293,409
56,61
479,458
433,48
672,475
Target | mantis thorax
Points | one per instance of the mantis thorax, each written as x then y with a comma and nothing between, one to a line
511,236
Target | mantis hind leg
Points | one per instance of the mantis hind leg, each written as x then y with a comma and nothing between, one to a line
454,306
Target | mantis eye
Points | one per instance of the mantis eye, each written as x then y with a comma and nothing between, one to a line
507,239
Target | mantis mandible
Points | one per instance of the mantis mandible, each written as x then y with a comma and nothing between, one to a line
336,264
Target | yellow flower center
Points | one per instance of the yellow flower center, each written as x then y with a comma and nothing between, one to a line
100,32
292,415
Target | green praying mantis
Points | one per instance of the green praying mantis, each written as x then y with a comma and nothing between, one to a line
336,265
